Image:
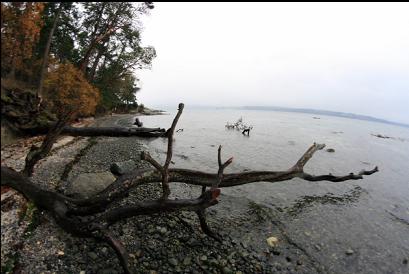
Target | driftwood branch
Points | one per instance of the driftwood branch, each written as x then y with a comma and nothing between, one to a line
38,153
68,211
114,131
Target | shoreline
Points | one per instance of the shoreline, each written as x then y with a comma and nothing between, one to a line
160,244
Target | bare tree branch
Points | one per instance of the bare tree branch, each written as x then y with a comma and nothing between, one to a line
221,167
119,249
165,179
114,131
36,154
147,157
299,166
68,211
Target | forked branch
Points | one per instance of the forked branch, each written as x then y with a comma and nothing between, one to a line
68,211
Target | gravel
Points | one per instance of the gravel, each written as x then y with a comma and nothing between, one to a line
162,243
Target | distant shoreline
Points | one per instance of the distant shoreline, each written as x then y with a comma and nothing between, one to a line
298,110
308,111
325,112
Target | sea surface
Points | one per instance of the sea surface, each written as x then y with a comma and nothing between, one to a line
368,219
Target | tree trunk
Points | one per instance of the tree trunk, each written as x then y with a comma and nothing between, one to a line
95,65
114,131
47,52
69,212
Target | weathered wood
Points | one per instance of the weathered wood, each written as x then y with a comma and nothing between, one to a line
114,131
137,122
68,211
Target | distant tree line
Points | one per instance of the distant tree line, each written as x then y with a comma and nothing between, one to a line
75,55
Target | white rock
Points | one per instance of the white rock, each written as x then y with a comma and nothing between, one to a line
272,241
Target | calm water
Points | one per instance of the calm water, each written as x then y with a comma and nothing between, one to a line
370,216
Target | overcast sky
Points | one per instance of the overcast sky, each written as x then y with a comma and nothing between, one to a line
349,57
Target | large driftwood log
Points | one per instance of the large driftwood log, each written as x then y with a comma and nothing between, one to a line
68,211
99,131
114,131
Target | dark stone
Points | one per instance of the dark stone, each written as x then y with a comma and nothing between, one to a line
121,168
349,252
330,150
93,255
187,260
173,261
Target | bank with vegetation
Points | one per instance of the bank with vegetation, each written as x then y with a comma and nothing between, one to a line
75,59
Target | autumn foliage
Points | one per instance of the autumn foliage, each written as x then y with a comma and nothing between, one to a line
71,54
69,91
21,24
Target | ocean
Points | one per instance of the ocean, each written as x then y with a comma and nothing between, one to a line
369,216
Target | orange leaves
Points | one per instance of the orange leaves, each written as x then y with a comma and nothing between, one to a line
21,24
69,91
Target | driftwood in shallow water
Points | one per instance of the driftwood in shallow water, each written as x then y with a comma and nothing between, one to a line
239,125
137,122
246,131
69,212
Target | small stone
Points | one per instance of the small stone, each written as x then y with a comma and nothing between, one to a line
227,270
187,260
330,150
104,250
203,258
276,252
82,272
288,259
239,272
272,241
162,230
317,247
153,272
299,262
223,262
349,252
173,261
92,255
405,261
60,253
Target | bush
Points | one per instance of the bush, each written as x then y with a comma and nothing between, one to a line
69,91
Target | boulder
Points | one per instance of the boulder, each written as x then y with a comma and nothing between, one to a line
120,168
86,185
